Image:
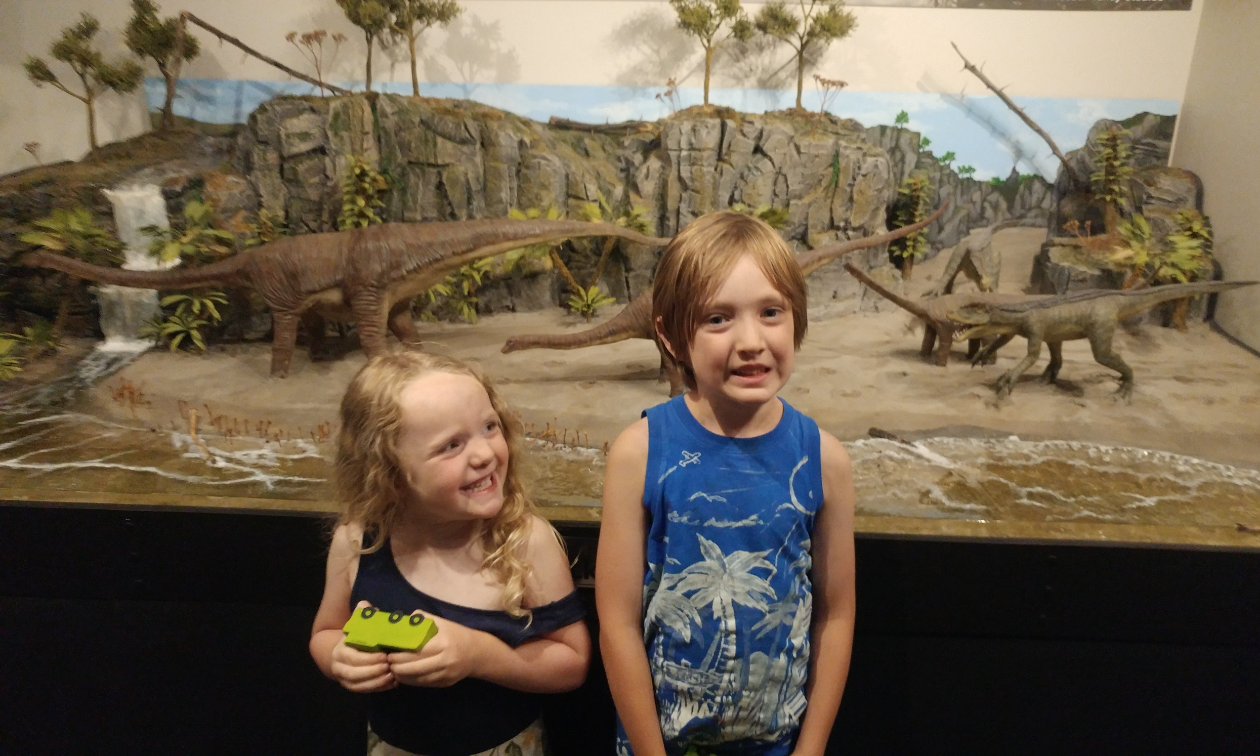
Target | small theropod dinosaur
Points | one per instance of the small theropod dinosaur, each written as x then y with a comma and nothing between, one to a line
938,317
976,259
635,319
364,275
1089,314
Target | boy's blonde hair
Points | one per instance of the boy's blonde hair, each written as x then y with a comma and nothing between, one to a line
697,262
372,487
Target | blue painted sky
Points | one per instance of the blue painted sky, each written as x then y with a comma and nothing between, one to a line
981,131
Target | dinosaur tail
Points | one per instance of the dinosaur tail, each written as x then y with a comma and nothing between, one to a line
218,273
1140,299
627,324
900,301
815,259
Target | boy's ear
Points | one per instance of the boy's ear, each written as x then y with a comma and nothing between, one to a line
660,335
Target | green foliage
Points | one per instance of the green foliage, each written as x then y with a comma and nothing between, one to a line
362,193
409,20
966,171
948,157
75,233
539,254
914,198
10,363
74,48
197,242
775,217
456,296
586,301
36,339
1184,255
996,181
151,37
373,18
268,228
1113,168
902,119
705,19
924,143
820,23
192,313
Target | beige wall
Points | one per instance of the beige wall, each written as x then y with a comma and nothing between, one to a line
1048,54
1216,139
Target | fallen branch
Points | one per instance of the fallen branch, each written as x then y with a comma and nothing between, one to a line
597,128
1076,179
185,17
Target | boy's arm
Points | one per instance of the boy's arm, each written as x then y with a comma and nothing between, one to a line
356,670
552,663
619,568
831,630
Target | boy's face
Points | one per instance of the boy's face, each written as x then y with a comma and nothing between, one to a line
743,349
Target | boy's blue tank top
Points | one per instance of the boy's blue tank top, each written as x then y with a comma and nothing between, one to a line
726,597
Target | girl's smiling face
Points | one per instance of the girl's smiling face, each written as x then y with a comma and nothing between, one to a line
451,449
743,350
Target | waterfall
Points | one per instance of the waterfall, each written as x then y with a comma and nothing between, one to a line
125,310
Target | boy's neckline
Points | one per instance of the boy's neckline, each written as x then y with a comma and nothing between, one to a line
765,427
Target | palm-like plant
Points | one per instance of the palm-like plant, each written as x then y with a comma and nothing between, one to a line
192,313
73,233
197,242
1110,179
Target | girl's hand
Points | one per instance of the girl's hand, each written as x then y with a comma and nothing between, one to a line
451,656
360,671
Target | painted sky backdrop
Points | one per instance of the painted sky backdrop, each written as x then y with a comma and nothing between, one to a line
979,130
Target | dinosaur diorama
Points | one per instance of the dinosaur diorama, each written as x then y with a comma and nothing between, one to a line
976,259
635,319
1089,314
937,314
367,275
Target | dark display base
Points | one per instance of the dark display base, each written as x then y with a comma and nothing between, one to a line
166,631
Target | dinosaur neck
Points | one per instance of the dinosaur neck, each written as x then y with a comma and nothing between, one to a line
900,301
630,323
815,259
224,272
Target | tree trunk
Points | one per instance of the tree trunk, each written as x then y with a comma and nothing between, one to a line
168,105
415,80
1179,313
1111,218
708,65
800,76
367,86
907,267
603,259
91,108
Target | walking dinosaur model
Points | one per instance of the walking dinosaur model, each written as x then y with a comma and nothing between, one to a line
976,259
1088,314
937,314
635,319
366,275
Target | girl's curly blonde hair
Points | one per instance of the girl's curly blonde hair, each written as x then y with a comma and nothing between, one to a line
370,481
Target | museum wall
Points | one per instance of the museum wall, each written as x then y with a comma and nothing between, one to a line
607,43
1221,104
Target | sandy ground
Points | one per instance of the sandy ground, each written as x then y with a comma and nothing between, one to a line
1196,392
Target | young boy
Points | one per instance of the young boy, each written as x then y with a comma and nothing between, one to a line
724,578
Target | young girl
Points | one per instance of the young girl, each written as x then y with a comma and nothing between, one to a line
436,521
724,577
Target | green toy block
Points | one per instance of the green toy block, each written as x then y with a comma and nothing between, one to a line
370,629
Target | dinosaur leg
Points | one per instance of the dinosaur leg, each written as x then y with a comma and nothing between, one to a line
981,353
1100,344
401,324
314,324
371,315
946,336
1008,379
929,339
284,336
1056,362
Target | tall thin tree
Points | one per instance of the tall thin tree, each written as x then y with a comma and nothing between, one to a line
820,23
409,20
151,37
705,19
371,16
74,48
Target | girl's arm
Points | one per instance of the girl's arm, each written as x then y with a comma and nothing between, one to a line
357,671
552,663
619,569
831,630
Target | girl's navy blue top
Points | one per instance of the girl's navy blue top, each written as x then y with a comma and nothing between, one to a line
472,715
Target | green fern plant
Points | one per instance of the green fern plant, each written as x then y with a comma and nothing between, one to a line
1112,170
197,242
913,200
456,296
73,233
10,363
626,215
362,193
268,228
586,301
193,312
